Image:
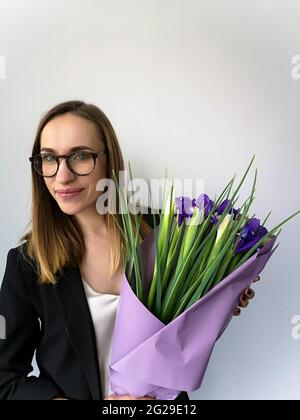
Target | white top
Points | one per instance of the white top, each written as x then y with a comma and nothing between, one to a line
103,308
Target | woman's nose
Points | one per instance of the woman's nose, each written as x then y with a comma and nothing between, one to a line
64,174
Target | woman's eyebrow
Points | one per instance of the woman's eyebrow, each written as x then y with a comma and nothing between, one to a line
73,149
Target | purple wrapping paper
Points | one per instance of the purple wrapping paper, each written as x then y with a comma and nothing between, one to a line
158,360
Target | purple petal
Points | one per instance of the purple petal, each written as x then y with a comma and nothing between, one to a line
204,201
247,243
222,206
214,219
254,225
235,213
184,205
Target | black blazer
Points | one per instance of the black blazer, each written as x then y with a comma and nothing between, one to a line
55,322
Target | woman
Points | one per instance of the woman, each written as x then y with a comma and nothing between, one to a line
62,283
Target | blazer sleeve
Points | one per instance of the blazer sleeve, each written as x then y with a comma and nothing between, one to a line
22,333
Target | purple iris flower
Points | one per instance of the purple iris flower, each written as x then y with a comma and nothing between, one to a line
204,201
222,207
185,205
220,210
250,235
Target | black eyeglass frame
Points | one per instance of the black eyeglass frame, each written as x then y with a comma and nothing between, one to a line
67,157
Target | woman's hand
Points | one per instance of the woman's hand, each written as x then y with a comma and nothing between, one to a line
128,397
245,297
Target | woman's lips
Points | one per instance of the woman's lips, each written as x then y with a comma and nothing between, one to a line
68,194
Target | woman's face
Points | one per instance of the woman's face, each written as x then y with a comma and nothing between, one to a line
62,134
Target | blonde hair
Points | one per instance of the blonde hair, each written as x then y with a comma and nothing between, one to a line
55,239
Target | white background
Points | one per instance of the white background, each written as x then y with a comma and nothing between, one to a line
194,86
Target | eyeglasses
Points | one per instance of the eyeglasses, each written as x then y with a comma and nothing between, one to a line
80,163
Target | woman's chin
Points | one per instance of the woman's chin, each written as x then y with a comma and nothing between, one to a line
70,209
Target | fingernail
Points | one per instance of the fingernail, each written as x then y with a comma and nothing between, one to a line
244,302
237,311
249,293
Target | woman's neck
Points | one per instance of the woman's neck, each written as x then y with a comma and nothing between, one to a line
93,224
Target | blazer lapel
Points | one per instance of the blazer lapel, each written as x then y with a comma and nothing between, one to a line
76,316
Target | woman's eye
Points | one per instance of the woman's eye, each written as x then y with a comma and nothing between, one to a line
81,156
48,158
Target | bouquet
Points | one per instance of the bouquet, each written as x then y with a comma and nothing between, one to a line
180,287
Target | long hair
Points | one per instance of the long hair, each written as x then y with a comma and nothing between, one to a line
55,239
